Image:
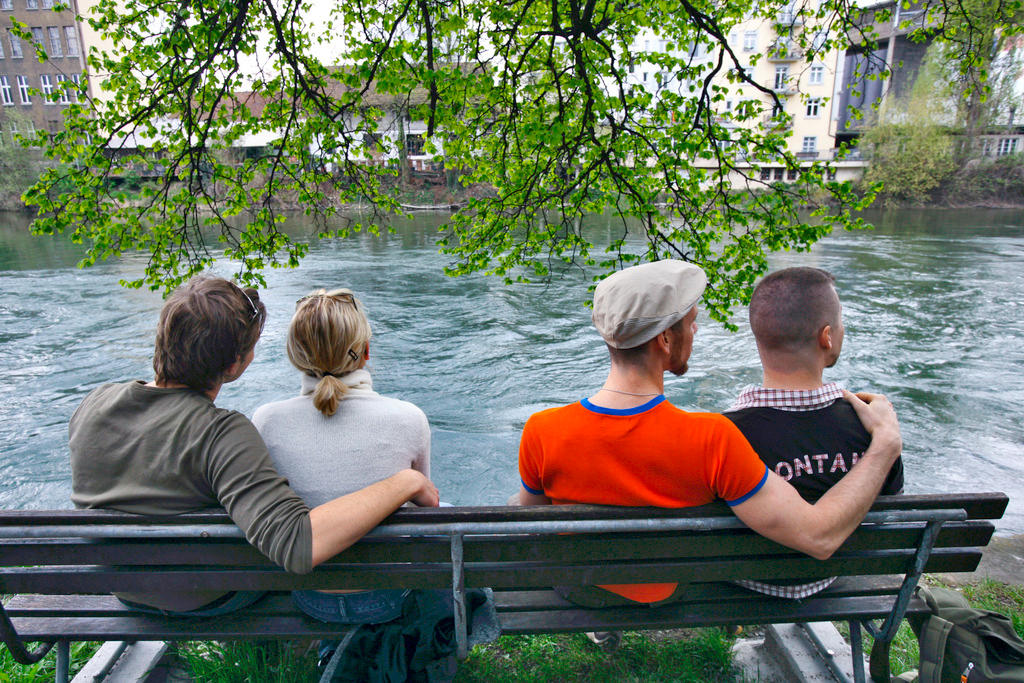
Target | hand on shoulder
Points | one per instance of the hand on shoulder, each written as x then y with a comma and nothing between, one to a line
878,416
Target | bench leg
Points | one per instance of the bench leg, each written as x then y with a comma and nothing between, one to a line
880,661
459,598
63,661
857,646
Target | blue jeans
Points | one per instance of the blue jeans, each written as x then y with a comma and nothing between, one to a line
226,604
365,607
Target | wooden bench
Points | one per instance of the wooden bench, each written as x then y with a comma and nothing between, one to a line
61,566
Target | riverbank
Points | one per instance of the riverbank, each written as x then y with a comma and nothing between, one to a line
1003,561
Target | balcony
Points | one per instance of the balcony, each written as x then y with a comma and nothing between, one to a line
786,88
788,18
782,52
777,122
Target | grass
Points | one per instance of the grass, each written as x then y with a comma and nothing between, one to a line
249,661
44,669
693,655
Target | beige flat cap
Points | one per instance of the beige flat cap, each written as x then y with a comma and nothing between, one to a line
634,305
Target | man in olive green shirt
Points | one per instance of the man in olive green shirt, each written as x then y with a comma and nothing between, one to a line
163,447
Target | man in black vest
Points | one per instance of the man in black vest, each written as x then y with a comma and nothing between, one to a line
799,426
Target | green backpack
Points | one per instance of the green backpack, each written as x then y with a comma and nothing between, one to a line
961,644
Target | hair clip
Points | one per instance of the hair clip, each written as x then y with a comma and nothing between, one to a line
353,355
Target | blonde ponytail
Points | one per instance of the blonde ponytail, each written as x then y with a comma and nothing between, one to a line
329,391
328,338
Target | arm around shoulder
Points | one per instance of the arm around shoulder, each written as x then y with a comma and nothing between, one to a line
778,512
341,522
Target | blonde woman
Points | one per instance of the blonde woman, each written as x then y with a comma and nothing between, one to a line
339,435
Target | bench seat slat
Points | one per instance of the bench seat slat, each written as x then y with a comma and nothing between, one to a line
513,601
280,603
706,614
243,626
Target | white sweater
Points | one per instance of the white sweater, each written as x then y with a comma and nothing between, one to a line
369,438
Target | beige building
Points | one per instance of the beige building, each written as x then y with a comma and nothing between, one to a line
805,86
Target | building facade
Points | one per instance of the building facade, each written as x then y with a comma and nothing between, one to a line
34,93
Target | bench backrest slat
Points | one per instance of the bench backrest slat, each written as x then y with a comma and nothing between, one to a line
100,579
546,548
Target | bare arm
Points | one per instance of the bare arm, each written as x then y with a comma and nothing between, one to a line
343,521
527,498
778,512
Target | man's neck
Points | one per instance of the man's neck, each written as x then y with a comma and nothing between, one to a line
211,393
806,378
629,387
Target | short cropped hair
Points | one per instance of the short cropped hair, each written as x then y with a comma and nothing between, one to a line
327,339
790,306
637,355
206,325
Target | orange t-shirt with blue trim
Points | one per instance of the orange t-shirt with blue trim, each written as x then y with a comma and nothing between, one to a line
654,454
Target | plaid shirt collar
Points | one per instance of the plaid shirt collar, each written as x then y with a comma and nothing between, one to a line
754,396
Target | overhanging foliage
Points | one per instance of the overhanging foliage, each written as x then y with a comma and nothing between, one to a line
531,98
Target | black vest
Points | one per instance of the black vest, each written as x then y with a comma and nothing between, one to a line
811,449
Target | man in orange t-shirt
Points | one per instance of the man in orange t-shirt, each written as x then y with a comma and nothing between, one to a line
627,445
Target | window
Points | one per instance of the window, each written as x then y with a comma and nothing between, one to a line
31,4
733,38
46,86
23,90
6,96
780,173
777,110
818,41
7,4
781,76
71,35
38,37
2,55
1007,146
56,47
62,89
766,174
76,79
810,145
817,76
15,45
14,131
813,105
749,41
791,174
46,4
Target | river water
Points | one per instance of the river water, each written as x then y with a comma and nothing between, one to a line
934,312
